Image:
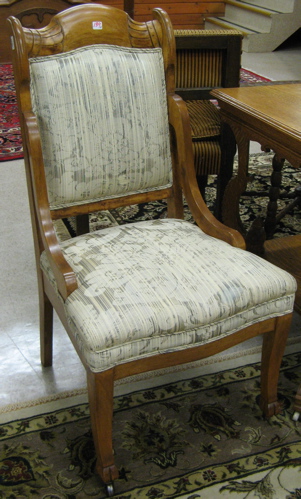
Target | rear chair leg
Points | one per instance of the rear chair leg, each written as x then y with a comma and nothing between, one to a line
273,347
46,330
101,390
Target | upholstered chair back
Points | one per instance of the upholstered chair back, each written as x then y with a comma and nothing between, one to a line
102,116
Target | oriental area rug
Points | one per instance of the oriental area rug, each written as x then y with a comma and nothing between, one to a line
201,437
10,134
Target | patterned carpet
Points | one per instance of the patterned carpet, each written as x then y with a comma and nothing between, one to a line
202,437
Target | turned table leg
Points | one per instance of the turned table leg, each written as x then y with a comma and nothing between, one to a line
274,192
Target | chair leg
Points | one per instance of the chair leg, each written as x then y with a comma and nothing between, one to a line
272,352
46,330
101,390
82,224
228,151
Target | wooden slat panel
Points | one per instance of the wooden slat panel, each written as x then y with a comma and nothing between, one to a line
199,68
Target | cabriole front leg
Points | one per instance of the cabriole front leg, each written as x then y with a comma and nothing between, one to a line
273,347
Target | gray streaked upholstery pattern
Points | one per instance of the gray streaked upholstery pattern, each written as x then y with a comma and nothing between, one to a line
158,286
96,134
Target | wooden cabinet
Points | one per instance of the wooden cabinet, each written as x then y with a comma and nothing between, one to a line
37,13
184,14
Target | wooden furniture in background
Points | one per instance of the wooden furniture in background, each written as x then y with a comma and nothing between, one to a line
37,13
152,294
270,115
184,14
208,59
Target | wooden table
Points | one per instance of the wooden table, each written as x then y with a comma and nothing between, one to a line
270,115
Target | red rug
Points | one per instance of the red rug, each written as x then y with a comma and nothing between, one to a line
10,135
250,78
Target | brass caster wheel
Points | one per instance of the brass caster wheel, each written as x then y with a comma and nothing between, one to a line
110,490
296,416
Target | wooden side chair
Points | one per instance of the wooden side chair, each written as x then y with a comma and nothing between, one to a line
102,128
208,59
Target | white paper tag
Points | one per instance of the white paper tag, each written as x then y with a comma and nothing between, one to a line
96,24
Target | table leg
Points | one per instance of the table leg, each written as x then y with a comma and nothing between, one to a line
237,185
82,224
228,150
274,192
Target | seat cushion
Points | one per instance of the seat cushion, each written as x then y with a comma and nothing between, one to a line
160,286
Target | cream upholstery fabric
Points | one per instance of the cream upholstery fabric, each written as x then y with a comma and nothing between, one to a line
159,286
95,134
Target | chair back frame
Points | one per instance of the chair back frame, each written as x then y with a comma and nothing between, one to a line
58,37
